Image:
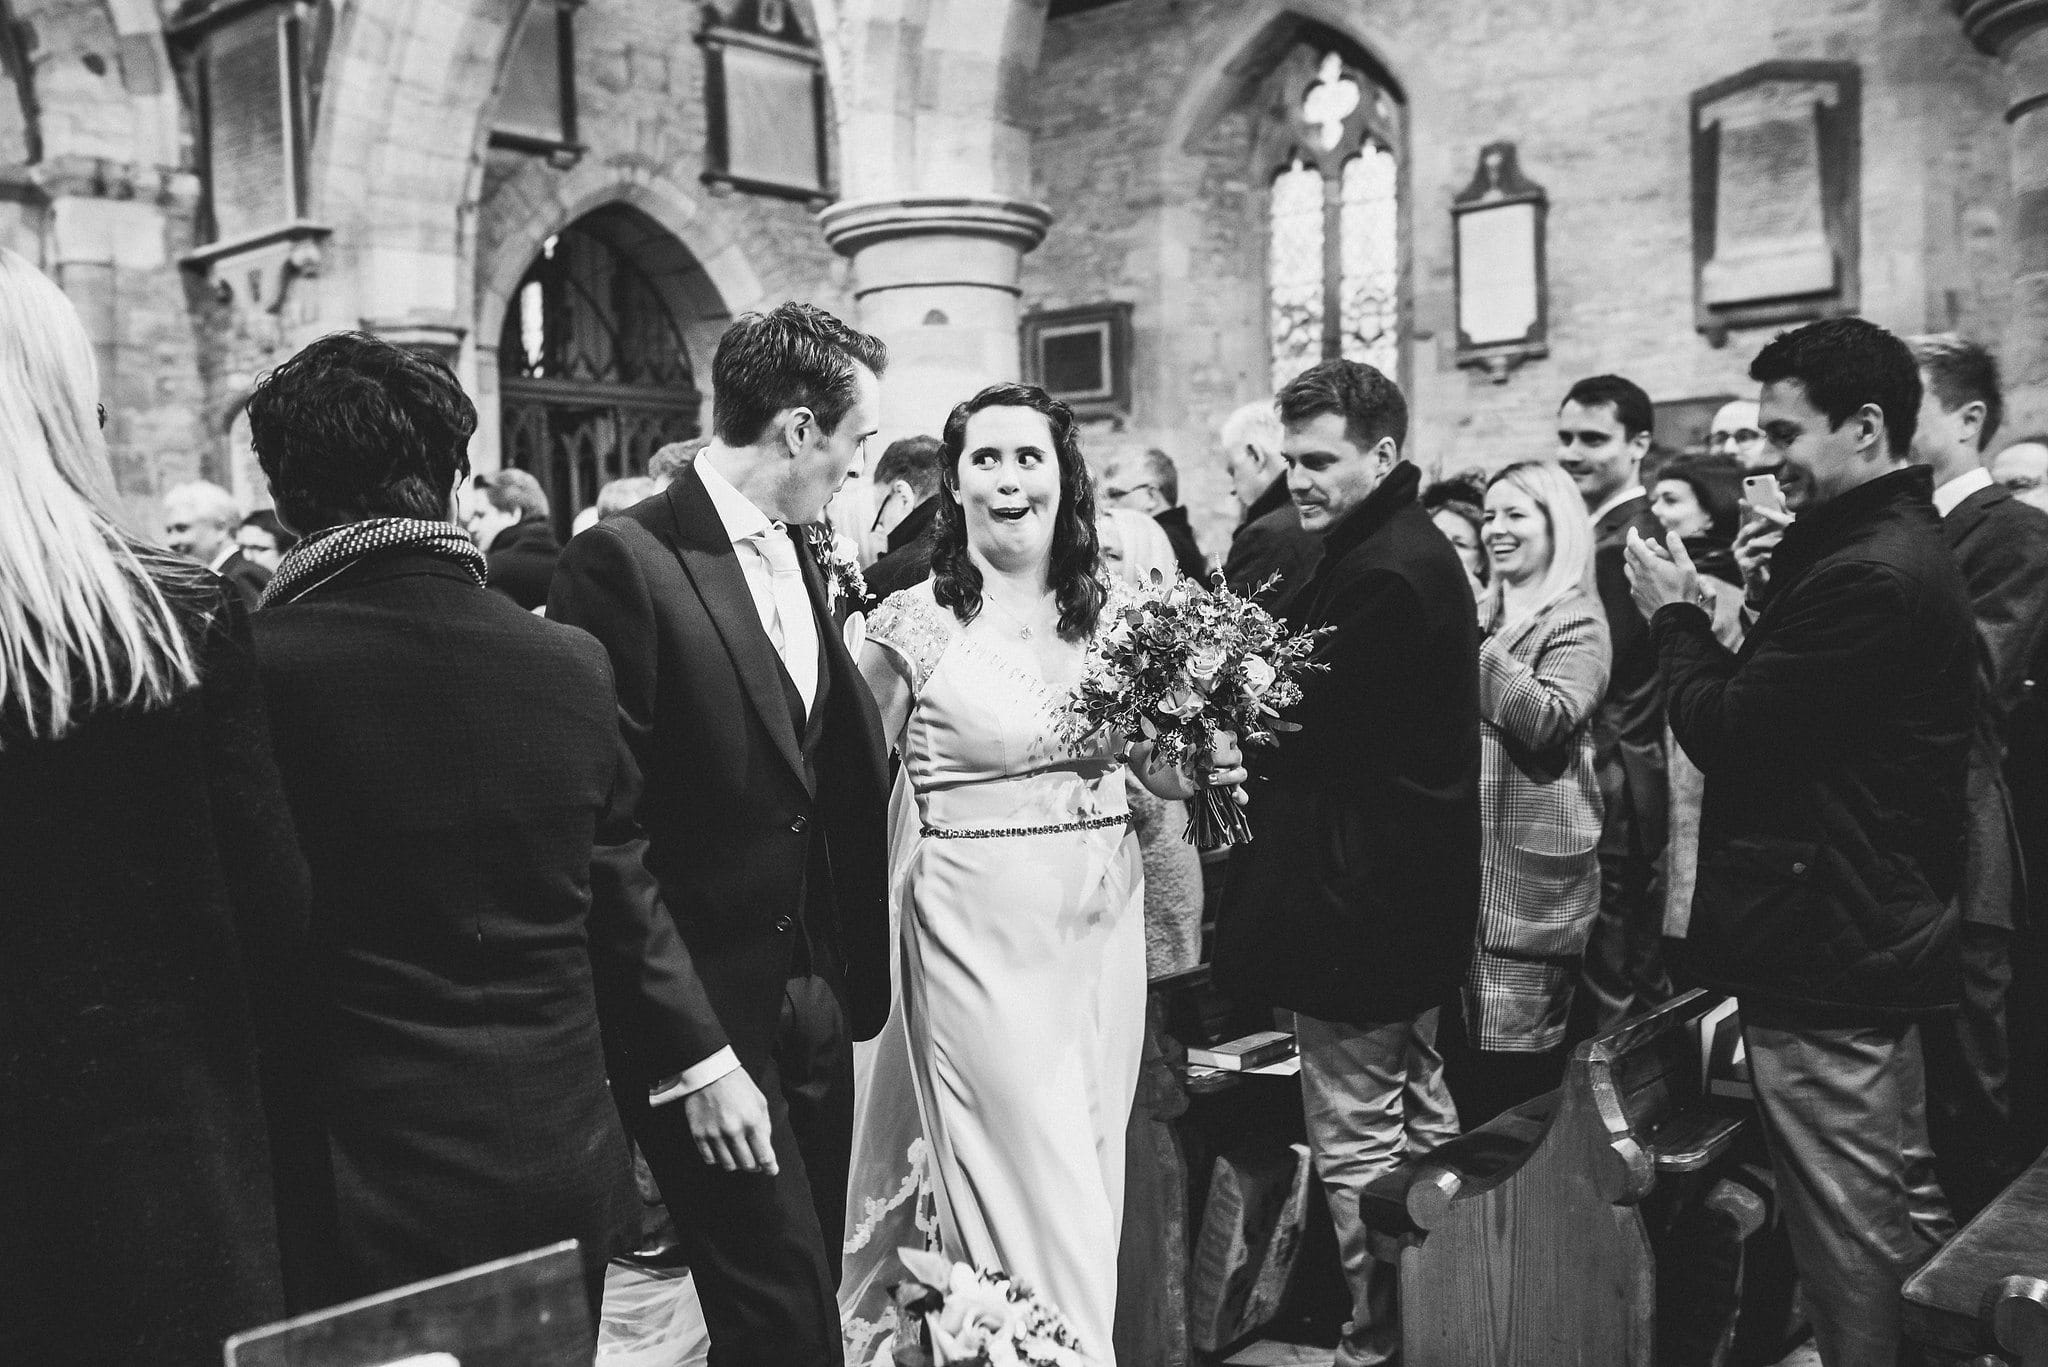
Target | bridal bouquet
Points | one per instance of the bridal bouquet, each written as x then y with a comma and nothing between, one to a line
1181,663
953,1315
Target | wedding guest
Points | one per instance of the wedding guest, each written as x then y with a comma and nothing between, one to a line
1133,549
1355,902
263,539
2023,466
1458,510
907,484
507,518
1603,433
1269,539
1698,498
200,521
614,498
450,760
1735,435
1542,671
671,460
1150,484
2001,545
154,904
763,819
1836,746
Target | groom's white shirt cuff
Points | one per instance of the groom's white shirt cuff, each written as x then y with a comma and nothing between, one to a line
694,1078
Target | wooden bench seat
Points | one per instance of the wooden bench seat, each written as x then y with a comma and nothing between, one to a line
1984,1297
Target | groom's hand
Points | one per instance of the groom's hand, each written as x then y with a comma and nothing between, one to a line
729,1122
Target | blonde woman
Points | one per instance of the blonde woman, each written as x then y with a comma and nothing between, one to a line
153,902
1133,546
1543,666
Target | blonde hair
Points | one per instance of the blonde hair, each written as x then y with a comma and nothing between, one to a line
84,623
1571,532
1145,547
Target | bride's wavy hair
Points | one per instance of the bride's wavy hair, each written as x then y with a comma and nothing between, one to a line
956,581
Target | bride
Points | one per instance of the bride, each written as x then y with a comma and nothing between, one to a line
991,1111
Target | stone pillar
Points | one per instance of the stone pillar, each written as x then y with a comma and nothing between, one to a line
2016,32
935,277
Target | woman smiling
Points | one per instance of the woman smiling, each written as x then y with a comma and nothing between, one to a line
1543,667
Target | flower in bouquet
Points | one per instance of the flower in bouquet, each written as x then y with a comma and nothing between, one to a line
953,1315
1180,663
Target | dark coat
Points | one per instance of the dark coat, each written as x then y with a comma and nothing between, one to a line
451,761
1356,899
908,560
152,923
1187,555
727,807
246,576
522,560
2001,545
1834,746
1628,730
1269,541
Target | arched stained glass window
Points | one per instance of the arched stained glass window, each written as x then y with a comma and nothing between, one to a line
1334,234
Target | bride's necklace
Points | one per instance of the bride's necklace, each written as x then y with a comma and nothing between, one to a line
1023,627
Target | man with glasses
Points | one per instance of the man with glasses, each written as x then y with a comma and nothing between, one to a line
1150,484
1736,435
907,505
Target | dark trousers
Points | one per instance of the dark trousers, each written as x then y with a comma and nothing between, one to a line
1969,1113
765,1250
1486,1082
1624,971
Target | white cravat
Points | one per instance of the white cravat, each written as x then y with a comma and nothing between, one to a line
791,626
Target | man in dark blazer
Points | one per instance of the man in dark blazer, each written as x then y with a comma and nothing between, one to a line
1270,542
764,823
2001,546
1835,745
200,521
507,517
1355,903
907,478
451,761
1150,484
1603,433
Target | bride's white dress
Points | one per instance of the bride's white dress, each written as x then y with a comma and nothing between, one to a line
997,1098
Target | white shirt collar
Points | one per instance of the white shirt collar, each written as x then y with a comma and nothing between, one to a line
1616,499
1947,496
743,520
227,553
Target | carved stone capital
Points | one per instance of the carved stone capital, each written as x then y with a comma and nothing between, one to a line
1994,25
853,225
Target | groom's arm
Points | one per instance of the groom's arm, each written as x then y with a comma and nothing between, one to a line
644,971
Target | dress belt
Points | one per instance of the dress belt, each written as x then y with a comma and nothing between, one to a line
1093,823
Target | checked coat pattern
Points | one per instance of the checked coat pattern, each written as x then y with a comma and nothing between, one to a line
1539,684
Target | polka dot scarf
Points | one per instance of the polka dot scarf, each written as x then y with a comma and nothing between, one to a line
325,554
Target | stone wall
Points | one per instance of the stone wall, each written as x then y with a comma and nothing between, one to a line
1169,214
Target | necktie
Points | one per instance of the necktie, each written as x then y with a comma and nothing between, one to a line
794,631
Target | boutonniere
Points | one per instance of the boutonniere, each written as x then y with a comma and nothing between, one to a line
843,584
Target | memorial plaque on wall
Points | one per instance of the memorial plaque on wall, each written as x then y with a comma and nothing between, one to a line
249,126
1082,357
1775,153
764,85
1498,256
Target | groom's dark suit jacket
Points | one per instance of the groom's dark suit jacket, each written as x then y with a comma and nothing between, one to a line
729,805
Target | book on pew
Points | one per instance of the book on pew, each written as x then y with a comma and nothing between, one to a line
1245,1053
1723,1060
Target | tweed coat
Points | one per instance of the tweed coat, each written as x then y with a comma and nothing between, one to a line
1540,681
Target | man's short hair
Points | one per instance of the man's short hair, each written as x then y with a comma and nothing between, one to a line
620,494
353,427
1631,405
1370,403
1961,371
1843,364
1257,425
265,521
794,356
207,502
671,460
514,491
915,461
1163,475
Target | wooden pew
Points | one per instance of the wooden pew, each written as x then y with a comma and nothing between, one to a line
1983,1299
1524,1241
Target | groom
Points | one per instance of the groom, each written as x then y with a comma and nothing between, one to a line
763,813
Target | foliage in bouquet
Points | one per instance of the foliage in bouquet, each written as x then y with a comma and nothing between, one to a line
1180,662
953,1315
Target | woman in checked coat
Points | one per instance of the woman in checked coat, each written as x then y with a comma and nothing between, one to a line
1543,667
